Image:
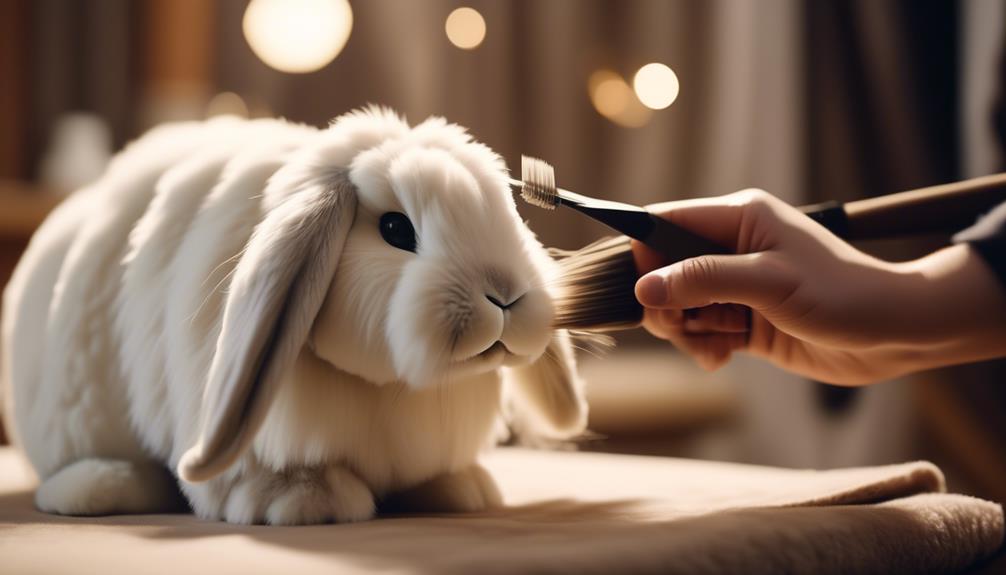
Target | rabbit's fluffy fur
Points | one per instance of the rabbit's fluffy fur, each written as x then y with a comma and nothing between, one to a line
222,304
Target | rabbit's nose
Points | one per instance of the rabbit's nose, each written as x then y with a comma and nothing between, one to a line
501,289
501,304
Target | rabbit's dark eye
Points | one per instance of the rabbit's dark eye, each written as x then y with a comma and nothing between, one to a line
397,230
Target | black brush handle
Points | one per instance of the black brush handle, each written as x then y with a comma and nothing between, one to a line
941,209
675,242
671,240
831,215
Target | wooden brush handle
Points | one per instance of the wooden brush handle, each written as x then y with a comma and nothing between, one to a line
945,208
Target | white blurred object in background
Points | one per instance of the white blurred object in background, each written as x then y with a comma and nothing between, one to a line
227,104
79,149
656,86
297,36
465,28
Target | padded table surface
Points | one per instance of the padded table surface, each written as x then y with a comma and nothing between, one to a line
566,512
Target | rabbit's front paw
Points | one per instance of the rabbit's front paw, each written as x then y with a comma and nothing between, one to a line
300,497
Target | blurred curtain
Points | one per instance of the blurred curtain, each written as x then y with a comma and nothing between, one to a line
13,96
967,405
983,87
82,57
809,100
737,122
882,84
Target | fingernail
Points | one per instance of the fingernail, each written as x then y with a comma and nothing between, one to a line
651,290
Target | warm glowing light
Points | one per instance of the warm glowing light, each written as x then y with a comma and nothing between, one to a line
227,104
613,98
611,95
297,36
656,86
465,28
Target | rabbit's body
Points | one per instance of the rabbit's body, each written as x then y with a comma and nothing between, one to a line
133,330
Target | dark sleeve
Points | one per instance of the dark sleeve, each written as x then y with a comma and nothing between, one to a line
988,238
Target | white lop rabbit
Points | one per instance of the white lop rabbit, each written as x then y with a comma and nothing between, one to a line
302,323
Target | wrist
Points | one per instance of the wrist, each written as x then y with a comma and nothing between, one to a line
952,308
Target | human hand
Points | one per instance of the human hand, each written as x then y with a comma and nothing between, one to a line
802,298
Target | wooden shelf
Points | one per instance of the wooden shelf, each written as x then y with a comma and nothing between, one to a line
23,207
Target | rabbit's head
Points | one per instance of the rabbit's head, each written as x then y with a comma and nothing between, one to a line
438,277
395,254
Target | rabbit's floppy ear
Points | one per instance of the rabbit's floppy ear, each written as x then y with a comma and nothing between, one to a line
278,288
552,389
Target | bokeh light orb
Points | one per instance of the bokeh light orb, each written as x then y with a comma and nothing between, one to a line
465,28
297,36
610,94
656,86
614,99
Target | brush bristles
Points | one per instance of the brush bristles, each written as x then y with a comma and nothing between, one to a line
539,183
595,290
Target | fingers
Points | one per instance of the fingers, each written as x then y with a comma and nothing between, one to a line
729,221
716,219
756,280
702,305
718,318
711,349
664,323
720,219
708,320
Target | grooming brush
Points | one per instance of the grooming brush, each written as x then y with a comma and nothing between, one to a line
676,243
595,290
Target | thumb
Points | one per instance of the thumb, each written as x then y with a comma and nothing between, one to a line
756,280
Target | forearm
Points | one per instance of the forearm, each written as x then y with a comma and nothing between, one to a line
954,309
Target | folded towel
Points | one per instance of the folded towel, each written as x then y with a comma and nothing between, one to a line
566,512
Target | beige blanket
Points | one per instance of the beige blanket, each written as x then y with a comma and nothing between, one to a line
567,512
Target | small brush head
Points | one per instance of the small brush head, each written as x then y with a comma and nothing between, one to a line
539,183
